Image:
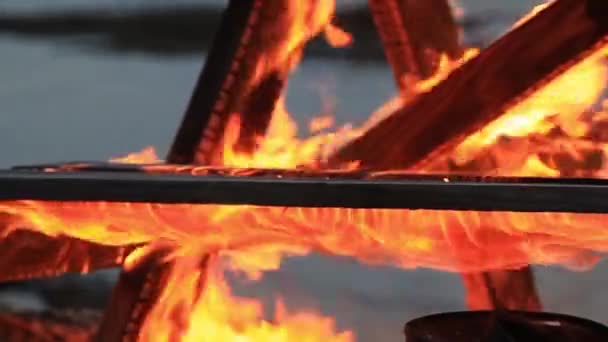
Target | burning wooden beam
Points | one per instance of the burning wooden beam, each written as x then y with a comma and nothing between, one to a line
77,325
243,77
221,86
404,37
414,35
301,189
528,57
26,254
436,130
502,289
219,90
135,293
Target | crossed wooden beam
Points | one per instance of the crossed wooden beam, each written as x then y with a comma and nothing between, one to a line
414,35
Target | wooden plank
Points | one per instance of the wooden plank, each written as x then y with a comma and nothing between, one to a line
414,34
26,255
48,325
134,295
484,88
219,90
241,77
237,79
502,289
412,47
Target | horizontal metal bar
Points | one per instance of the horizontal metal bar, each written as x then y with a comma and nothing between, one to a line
273,188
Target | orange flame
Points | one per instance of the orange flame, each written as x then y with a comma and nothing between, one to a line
371,235
147,155
570,95
197,304
337,37
219,316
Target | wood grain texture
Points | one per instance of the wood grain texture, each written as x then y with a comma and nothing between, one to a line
72,326
29,255
502,289
412,46
484,88
26,254
414,34
134,295
221,85
236,80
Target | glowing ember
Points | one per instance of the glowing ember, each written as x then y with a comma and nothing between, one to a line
197,304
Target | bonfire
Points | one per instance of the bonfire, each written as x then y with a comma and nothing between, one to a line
528,105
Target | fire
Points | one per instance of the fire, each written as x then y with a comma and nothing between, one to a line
564,101
219,316
145,156
337,37
197,304
281,148
371,235
303,21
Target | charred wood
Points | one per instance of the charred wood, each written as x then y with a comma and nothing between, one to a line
208,112
242,76
502,289
136,292
484,88
25,254
239,79
413,47
415,34
66,325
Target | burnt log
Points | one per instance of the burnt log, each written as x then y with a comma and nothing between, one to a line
66,325
484,88
502,289
407,41
414,35
27,255
436,122
199,138
243,76
137,290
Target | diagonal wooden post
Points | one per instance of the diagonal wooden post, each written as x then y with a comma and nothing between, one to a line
414,33
484,88
220,92
243,76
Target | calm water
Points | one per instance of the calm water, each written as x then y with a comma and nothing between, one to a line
61,102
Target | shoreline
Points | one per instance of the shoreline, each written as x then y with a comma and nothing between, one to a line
189,30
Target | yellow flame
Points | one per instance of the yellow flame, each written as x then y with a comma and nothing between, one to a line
337,37
196,304
219,316
570,95
147,155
